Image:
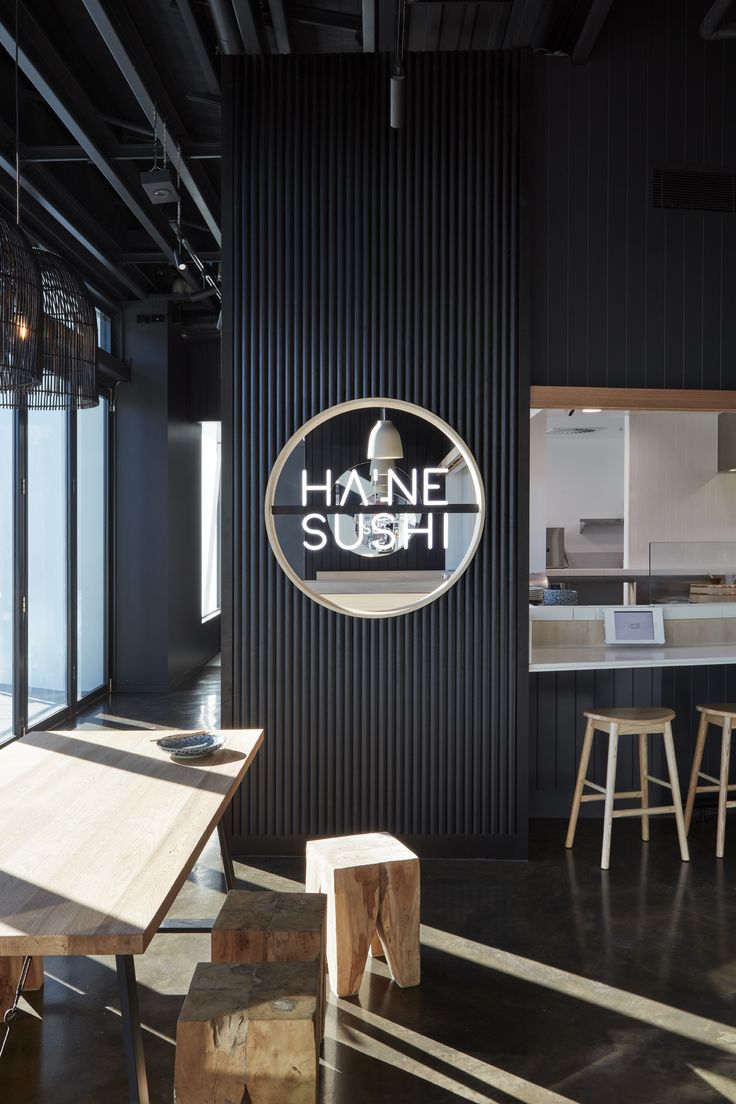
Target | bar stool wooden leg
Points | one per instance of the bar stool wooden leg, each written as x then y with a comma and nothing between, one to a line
610,791
669,750
697,760
582,772
723,786
643,772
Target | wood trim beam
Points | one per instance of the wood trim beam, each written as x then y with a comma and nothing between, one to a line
630,398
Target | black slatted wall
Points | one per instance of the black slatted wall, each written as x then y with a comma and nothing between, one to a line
625,293
364,261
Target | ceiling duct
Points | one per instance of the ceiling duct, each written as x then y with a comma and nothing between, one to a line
727,442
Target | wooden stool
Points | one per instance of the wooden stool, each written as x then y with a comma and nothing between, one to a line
249,1031
372,887
723,716
628,722
272,927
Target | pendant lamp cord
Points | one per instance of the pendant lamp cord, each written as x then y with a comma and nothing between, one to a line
178,195
17,121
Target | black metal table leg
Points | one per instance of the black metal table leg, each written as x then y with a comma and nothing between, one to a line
227,860
132,1038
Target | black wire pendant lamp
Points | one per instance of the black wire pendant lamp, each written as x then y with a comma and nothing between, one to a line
68,345
48,325
20,315
20,293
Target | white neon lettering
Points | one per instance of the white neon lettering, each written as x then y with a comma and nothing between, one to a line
428,532
445,531
321,538
428,501
412,496
358,539
308,487
354,479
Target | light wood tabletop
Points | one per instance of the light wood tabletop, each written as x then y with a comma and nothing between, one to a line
98,832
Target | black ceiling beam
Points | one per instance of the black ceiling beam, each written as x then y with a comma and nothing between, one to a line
199,45
211,256
109,268
75,126
523,20
713,26
247,25
128,68
319,17
280,26
51,209
119,152
368,16
590,30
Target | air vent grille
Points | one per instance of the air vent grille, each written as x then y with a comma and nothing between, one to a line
684,189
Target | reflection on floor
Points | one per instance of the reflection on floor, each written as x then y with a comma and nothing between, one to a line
38,708
543,983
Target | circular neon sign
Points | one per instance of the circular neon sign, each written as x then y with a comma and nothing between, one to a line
375,507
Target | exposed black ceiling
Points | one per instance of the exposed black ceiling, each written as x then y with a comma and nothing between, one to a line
94,73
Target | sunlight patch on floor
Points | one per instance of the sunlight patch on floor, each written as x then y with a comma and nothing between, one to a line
663,1016
491,1076
726,1086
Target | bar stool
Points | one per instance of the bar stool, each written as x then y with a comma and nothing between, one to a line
628,722
723,716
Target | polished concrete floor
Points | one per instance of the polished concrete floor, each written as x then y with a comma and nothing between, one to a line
543,982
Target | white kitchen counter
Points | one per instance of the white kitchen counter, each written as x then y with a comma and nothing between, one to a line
603,657
599,572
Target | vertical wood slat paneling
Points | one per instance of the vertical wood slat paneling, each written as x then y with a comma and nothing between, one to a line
358,261
624,295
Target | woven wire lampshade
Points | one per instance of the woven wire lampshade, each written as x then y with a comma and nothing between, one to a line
20,315
68,347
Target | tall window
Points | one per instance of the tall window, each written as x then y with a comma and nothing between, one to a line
53,531
211,464
104,330
6,572
47,563
91,548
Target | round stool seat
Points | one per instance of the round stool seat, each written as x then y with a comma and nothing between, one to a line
640,715
725,709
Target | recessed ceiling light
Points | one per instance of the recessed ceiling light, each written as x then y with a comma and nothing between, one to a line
591,410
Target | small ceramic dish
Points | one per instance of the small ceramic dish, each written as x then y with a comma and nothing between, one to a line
191,745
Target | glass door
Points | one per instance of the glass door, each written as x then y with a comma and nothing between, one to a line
91,548
7,479
48,564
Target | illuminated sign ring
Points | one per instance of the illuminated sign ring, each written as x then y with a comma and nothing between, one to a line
271,511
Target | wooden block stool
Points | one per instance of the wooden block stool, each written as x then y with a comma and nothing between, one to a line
372,887
249,1032
628,722
262,926
723,716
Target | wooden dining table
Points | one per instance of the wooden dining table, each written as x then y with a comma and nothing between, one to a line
98,832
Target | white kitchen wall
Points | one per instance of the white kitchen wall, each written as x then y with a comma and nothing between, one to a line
584,478
674,490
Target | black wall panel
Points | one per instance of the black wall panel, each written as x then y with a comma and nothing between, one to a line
624,294
361,261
